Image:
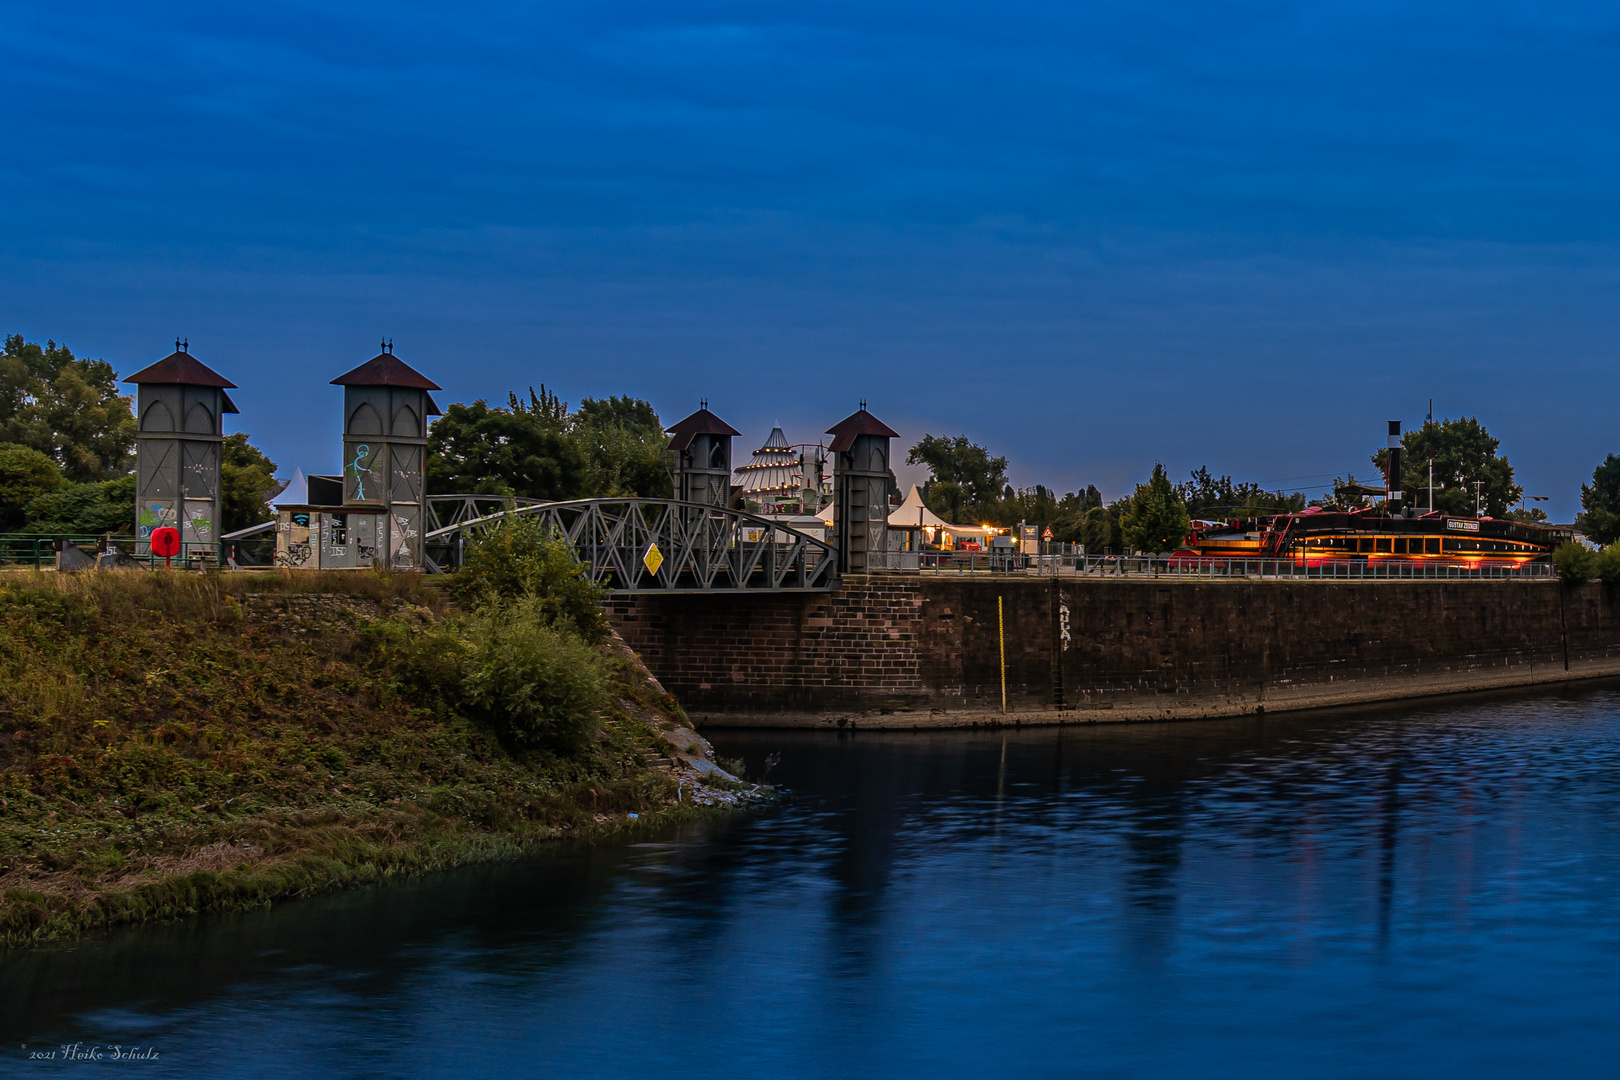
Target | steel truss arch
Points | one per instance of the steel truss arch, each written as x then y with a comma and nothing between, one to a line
664,546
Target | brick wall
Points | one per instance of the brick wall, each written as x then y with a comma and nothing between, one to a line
925,649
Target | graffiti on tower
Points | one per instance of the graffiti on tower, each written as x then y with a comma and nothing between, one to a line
361,469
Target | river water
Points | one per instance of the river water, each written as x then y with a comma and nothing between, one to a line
1400,892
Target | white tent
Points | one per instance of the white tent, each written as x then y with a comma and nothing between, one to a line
914,514
296,493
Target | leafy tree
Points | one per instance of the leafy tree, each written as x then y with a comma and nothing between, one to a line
1042,507
1463,452
1155,519
1068,523
624,444
66,408
247,482
103,506
619,411
524,450
1608,565
539,450
1575,562
965,481
25,474
1600,503
1208,496
1100,529
1342,496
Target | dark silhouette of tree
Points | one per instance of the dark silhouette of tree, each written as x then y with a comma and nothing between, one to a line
1600,503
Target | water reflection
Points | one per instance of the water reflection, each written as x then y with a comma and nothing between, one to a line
1396,891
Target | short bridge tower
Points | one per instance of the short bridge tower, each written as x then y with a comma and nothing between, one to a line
180,406
702,446
861,485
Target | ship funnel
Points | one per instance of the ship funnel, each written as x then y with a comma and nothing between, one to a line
1392,470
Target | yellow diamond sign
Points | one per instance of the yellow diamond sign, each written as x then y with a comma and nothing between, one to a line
653,559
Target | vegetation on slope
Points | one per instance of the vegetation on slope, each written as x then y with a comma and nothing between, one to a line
172,743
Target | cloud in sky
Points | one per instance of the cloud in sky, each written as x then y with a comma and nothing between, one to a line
1088,235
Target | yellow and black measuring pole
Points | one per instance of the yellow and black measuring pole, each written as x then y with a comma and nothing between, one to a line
1001,635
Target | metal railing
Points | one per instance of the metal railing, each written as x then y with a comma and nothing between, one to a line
40,552
1162,566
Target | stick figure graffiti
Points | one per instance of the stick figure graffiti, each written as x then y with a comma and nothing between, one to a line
361,453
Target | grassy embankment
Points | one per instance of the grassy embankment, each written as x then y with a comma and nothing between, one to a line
177,743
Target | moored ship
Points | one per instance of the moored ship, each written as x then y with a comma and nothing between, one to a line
1318,537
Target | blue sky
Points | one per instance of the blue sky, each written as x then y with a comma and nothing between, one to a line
1087,235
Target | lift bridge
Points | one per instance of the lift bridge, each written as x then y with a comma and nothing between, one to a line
648,545
695,542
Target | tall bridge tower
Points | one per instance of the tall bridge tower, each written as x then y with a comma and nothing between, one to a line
180,406
386,405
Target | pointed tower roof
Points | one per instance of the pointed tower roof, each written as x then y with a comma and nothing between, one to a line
182,368
702,422
857,423
386,369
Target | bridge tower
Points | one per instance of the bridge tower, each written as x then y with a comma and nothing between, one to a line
386,405
861,484
180,406
702,446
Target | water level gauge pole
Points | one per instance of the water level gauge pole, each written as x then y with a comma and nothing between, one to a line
1001,635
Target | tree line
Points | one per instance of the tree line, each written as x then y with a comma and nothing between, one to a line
969,486
67,449
67,442
67,439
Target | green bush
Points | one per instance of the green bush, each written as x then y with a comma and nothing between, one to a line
538,685
25,473
1575,562
1606,563
519,559
425,664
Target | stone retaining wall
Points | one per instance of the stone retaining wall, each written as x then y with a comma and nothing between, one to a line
899,651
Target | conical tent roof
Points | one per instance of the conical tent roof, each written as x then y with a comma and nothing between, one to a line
296,493
914,513
774,468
